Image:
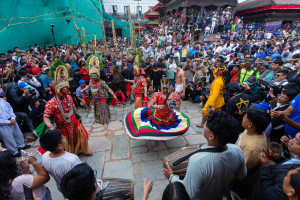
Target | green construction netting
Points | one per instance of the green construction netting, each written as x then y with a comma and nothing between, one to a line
28,22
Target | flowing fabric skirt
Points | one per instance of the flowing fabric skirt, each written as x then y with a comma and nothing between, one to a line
138,102
79,142
102,113
141,123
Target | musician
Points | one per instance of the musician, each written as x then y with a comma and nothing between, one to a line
209,173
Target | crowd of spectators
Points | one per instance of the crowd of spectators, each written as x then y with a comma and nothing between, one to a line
262,105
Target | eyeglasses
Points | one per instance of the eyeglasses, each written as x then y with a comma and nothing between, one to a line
282,96
277,75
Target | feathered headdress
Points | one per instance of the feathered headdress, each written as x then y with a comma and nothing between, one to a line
59,75
94,64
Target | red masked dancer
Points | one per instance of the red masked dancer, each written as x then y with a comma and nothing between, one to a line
139,83
61,107
162,120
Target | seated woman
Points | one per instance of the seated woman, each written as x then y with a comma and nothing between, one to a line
160,121
12,179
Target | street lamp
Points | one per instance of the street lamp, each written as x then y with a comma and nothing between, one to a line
52,25
68,21
138,10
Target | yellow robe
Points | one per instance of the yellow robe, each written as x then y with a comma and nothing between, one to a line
216,98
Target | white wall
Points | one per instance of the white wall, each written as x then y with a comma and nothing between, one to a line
145,4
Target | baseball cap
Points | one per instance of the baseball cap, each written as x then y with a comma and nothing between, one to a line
81,81
288,65
24,85
249,61
232,55
265,65
263,106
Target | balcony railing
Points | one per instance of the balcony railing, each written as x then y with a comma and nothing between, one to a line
125,16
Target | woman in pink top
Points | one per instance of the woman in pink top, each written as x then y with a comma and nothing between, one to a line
12,179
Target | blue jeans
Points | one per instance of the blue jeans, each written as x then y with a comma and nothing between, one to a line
47,195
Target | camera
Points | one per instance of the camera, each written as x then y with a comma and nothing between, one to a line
29,76
276,88
32,91
31,98
52,25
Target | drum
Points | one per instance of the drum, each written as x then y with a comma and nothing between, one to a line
179,169
117,188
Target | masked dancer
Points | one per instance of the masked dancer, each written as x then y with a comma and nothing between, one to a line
161,121
61,107
139,83
98,90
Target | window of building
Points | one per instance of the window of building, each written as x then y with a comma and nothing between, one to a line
114,8
139,9
126,10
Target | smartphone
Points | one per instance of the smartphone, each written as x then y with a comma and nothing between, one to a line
27,192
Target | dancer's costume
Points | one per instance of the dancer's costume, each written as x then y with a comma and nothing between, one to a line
216,99
61,107
164,124
98,89
139,83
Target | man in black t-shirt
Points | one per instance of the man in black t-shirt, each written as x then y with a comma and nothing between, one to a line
158,71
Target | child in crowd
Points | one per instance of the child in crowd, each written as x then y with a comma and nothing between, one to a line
253,140
56,161
121,98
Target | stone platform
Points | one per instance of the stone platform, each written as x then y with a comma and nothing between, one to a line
118,156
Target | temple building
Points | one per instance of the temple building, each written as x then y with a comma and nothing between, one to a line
269,10
199,4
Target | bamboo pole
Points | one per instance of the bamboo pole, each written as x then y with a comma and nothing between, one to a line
114,32
130,25
95,43
133,37
103,34
83,41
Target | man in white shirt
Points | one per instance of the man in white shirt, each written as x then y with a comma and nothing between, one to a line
169,38
56,161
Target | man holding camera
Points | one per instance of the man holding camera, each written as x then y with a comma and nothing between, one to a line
28,78
189,69
276,87
201,70
19,98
